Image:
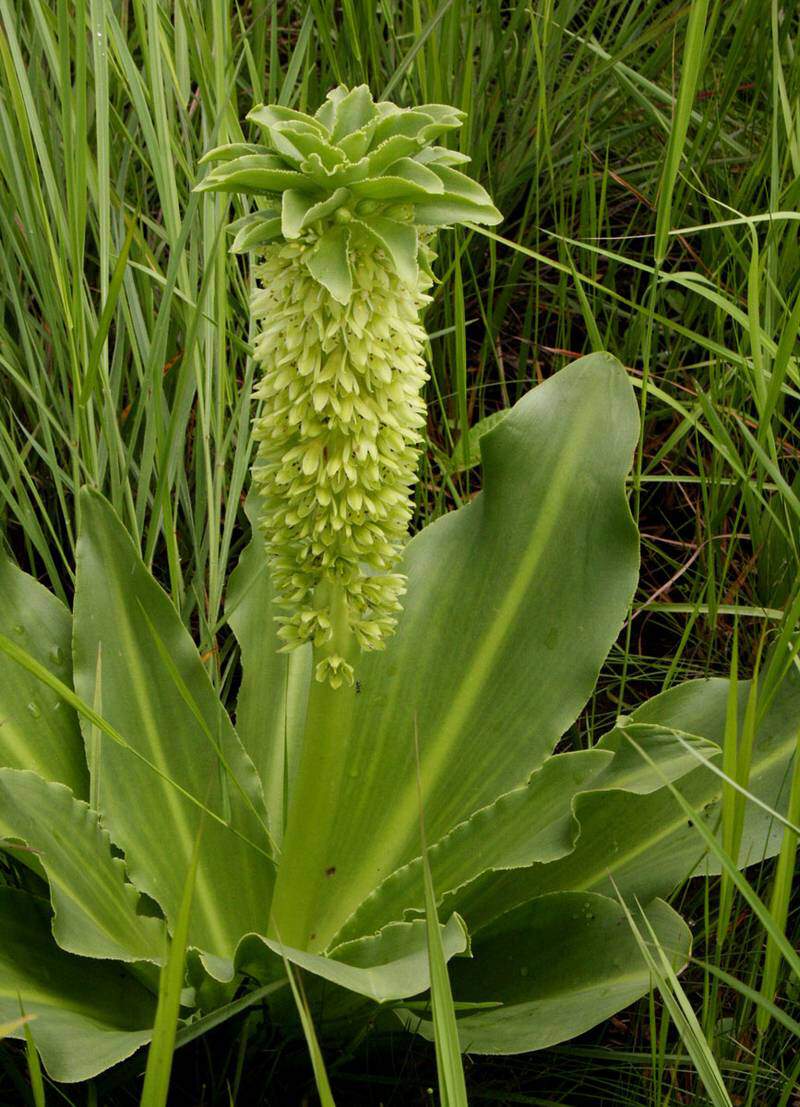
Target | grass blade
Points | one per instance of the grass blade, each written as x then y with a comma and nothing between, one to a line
449,1066
162,1046
692,63
780,900
34,1064
109,307
677,1003
317,1061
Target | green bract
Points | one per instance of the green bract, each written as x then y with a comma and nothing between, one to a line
116,754
352,195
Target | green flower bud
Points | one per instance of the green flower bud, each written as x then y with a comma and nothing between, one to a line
341,281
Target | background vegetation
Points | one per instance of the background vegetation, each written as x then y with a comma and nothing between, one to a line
646,156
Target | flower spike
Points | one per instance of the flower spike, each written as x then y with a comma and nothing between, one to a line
349,200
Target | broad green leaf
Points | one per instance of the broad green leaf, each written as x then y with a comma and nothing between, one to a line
232,150
297,142
95,909
406,179
255,230
400,242
355,145
291,153
156,693
512,605
271,708
353,111
294,205
39,731
459,192
444,114
326,112
253,173
343,175
443,211
88,1014
459,184
441,156
645,842
559,965
266,115
534,824
270,208
326,207
390,965
299,210
390,151
7,1028
425,123
330,263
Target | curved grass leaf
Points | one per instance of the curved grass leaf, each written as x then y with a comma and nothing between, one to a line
315,1053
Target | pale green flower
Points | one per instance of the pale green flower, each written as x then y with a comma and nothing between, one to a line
352,197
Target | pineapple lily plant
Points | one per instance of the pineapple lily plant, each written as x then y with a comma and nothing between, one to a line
474,646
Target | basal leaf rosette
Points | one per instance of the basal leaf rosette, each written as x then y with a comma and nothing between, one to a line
349,200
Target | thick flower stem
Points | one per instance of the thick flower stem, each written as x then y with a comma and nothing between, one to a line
314,805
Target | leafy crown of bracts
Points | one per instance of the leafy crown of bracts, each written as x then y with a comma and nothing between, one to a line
358,165
352,197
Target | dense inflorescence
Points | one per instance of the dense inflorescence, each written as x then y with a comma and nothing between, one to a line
338,437
352,197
